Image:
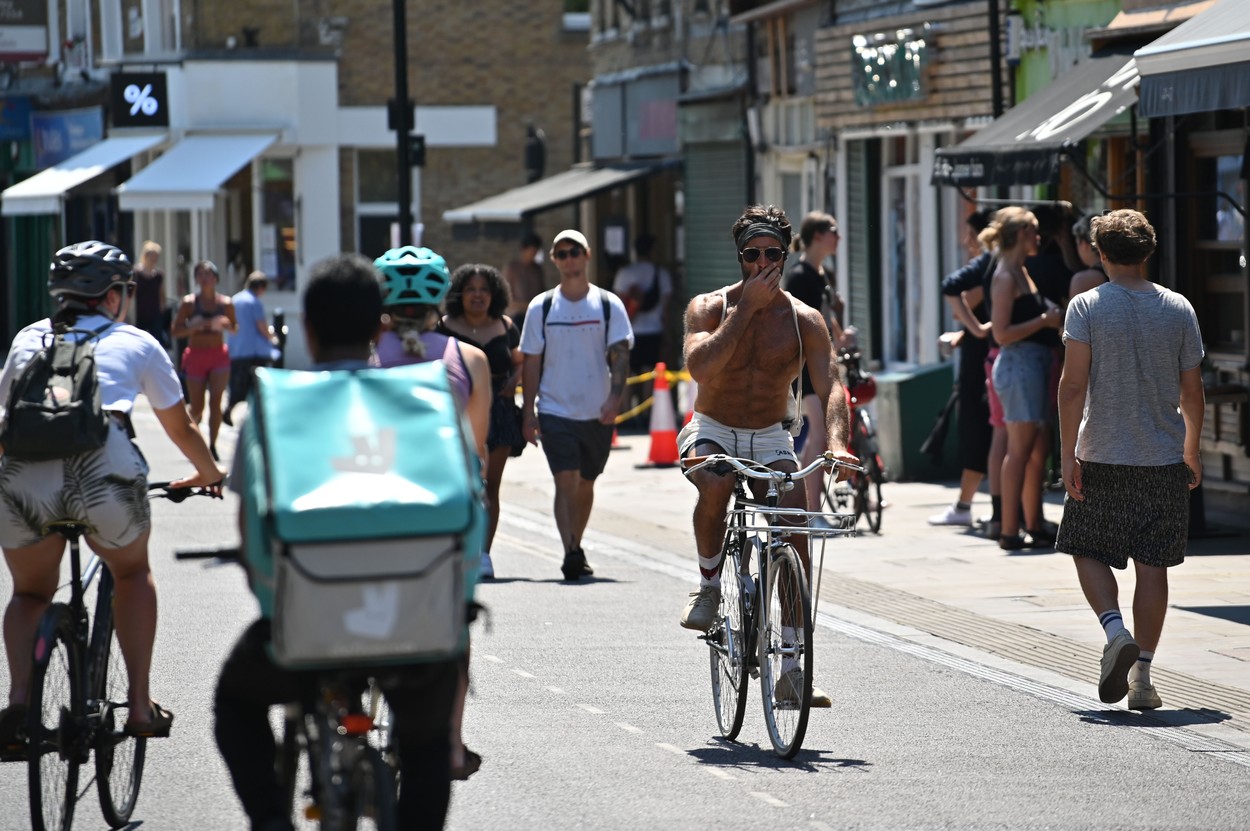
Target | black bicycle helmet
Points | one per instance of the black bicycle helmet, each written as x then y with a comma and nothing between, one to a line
88,269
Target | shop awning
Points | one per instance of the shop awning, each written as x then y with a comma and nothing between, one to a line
1027,143
188,176
43,192
561,189
1200,66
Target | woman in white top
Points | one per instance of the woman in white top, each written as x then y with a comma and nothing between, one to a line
105,489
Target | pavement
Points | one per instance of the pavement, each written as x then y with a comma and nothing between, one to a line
951,588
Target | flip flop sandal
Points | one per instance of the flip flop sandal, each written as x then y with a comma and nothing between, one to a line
472,762
157,728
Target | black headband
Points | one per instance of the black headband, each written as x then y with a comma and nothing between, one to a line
757,229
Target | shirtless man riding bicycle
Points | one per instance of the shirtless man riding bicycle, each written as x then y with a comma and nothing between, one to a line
744,346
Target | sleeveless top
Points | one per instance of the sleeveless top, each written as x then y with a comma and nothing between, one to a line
390,352
1026,307
498,354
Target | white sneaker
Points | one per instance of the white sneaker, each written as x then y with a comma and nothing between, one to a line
954,515
487,569
702,609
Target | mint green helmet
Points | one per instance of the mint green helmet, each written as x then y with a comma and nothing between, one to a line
412,276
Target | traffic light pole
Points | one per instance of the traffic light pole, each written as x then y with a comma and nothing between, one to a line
403,123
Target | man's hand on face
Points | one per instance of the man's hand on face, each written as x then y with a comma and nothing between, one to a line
760,290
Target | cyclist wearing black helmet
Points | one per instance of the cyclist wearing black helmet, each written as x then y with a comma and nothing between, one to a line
104,489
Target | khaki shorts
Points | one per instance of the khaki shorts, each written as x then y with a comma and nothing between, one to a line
767,446
106,490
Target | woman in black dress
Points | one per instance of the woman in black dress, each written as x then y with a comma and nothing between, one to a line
475,315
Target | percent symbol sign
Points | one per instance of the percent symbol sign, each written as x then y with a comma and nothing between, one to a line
140,99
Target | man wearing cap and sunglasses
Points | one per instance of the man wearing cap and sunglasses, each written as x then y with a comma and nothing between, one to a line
745,345
576,341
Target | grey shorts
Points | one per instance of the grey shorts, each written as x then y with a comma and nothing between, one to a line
575,445
1021,375
767,445
106,490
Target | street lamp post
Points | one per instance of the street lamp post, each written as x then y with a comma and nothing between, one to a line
402,118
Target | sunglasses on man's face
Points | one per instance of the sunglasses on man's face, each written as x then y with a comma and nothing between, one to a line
565,253
774,255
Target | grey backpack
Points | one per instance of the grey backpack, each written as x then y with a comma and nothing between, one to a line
54,410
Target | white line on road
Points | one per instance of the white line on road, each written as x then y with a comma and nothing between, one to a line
628,728
494,659
594,710
556,690
523,673
770,799
671,748
718,773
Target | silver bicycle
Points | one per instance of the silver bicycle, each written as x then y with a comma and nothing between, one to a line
764,629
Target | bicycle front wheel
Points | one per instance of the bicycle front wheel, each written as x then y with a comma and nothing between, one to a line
786,651
868,502
373,792
57,725
118,757
727,645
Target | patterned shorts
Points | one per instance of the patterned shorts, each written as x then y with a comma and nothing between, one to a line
1128,511
106,490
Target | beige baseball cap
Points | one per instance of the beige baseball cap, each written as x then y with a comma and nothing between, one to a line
572,236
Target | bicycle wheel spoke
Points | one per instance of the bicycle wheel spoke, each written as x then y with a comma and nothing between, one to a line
785,653
727,648
55,731
118,758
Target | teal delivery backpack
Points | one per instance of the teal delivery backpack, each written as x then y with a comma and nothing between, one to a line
369,515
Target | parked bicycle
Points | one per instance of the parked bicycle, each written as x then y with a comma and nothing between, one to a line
343,733
764,628
862,492
79,695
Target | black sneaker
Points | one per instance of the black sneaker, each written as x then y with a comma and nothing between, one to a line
575,566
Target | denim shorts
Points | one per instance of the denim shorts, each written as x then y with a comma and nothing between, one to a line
1021,373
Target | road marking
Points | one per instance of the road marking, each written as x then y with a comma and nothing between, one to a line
523,673
819,826
494,659
556,690
628,728
594,710
671,748
770,799
718,773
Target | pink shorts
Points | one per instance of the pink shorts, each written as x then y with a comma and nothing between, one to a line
202,361
997,418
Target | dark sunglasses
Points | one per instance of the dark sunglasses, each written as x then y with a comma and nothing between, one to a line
774,255
565,253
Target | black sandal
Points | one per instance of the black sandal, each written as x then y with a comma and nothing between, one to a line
472,762
157,728
12,726
1012,543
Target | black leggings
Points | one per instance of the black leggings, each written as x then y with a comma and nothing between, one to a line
420,696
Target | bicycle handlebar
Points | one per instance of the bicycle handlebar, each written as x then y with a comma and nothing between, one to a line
181,494
755,470
226,553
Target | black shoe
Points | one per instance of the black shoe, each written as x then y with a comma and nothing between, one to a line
587,571
12,733
1012,543
574,566
212,448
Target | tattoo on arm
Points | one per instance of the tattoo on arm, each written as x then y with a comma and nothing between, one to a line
618,364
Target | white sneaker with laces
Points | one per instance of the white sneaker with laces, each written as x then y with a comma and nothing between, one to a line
487,570
954,515
702,609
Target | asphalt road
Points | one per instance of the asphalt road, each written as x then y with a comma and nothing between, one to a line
592,709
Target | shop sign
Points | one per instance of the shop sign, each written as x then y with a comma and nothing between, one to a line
139,99
59,135
23,30
15,118
888,67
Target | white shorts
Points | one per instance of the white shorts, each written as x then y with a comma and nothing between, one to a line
767,445
106,490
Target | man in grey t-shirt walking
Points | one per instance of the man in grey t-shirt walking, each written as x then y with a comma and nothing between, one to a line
1132,381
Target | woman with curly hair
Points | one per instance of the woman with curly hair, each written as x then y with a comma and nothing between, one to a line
475,315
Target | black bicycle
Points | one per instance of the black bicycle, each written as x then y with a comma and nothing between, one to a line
344,735
862,492
79,696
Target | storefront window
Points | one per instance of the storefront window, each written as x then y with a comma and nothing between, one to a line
277,229
377,200
1219,253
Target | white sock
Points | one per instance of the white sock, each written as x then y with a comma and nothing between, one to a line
1141,669
1112,623
705,582
789,636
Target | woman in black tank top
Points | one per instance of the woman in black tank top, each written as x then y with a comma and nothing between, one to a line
1025,325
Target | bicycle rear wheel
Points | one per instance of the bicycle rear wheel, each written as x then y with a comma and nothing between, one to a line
786,652
727,642
118,757
373,792
57,723
868,502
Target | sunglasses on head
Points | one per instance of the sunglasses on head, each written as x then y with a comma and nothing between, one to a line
565,253
750,255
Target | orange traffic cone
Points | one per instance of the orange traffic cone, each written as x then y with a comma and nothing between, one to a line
663,422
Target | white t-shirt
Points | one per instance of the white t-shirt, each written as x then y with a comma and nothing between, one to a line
650,322
129,361
575,378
